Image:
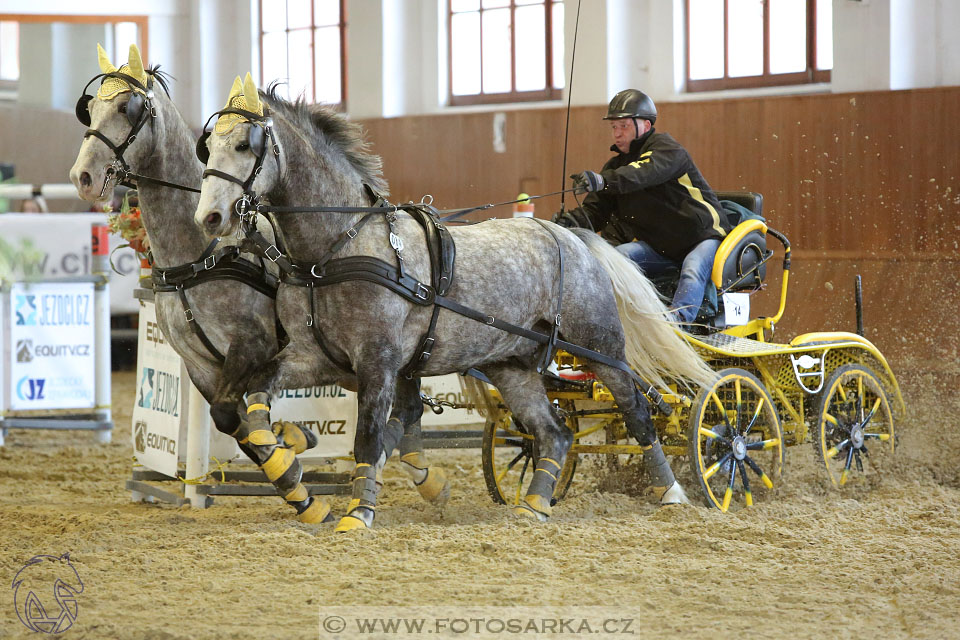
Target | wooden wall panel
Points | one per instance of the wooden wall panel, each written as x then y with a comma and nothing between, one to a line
860,183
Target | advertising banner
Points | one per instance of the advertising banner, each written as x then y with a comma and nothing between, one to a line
52,336
160,399
329,411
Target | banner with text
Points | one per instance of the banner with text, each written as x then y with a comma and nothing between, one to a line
52,339
159,400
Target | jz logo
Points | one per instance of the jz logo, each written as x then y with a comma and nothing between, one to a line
140,436
26,310
145,394
34,388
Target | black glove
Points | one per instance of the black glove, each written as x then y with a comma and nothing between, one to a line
570,219
587,181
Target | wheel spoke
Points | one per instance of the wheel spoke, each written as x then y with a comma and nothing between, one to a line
856,455
879,436
873,411
509,466
757,470
721,408
756,414
518,434
713,435
763,444
747,494
833,451
509,442
739,392
728,494
832,420
707,474
846,467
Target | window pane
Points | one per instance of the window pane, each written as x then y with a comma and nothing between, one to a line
496,51
9,51
706,39
465,66
124,35
745,38
300,63
298,13
531,46
273,15
824,34
326,12
559,71
464,5
274,58
492,4
327,49
788,36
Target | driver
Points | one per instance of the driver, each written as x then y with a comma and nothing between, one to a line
651,200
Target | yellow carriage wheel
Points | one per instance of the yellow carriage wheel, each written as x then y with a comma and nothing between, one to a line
509,460
735,440
854,428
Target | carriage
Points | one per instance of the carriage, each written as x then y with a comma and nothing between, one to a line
834,390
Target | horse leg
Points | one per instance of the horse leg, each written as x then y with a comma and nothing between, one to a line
377,376
523,391
431,482
288,370
636,417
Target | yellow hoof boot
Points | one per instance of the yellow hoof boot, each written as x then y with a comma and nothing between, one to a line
534,506
349,523
316,513
435,487
294,436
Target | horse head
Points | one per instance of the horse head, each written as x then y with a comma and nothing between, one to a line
123,123
237,152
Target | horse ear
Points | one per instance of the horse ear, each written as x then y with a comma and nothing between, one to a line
136,65
235,90
105,64
250,95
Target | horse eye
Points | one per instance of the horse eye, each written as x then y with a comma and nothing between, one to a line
122,108
243,146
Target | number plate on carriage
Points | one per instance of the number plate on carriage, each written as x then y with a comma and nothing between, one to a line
736,308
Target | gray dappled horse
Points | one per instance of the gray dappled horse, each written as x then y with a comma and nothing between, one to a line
237,320
507,269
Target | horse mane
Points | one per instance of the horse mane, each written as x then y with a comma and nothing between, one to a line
326,127
162,77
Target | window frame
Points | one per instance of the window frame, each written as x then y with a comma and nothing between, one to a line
142,22
550,92
810,75
342,26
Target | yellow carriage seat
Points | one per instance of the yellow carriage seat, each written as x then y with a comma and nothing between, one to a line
740,263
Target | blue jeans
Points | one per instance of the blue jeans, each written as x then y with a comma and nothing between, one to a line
694,273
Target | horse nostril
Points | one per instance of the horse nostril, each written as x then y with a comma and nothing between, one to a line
213,220
85,179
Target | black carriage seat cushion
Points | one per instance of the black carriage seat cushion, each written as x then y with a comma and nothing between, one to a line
735,266
749,199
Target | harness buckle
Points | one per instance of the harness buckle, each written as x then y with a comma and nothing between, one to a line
557,321
490,320
188,313
271,257
425,350
209,262
422,292
309,320
352,233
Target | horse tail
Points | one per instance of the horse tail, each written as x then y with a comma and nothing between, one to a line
654,348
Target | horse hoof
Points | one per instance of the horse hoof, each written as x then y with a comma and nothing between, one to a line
525,512
349,523
295,436
674,494
317,513
435,487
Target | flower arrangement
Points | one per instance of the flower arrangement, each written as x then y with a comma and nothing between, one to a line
128,225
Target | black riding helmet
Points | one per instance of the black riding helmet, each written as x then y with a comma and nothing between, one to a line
631,103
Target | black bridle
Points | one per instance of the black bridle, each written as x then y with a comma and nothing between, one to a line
261,128
140,110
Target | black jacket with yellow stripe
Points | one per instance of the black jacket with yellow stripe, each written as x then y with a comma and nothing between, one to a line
656,194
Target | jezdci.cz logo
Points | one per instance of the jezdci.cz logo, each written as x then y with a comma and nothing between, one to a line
52,310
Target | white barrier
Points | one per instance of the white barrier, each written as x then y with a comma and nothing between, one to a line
172,427
56,348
